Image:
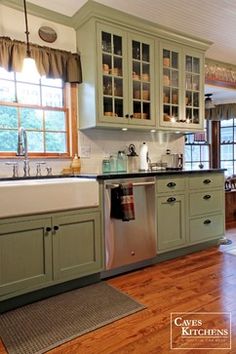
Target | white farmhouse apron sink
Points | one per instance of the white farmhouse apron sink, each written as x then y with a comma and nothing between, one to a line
22,197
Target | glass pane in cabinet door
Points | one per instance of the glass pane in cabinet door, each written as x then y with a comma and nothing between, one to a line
166,77
106,42
195,116
166,58
175,96
188,98
195,99
196,65
119,108
136,50
117,68
117,45
136,90
166,95
188,63
174,114
188,115
107,85
174,78
175,60
108,106
188,82
196,82
145,72
167,115
106,64
118,87
145,53
146,111
145,91
137,111
136,74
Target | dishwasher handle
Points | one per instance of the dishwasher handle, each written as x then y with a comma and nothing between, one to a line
134,184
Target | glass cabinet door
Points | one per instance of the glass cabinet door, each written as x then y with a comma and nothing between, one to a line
192,89
141,81
171,85
112,74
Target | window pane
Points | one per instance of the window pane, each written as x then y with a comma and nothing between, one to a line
35,141
229,166
226,123
52,96
55,142
8,117
195,153
27,78
205,153
29,94
8,140
31,118
7,91
4,74
55,120
226,152
187,153
51,82
226,135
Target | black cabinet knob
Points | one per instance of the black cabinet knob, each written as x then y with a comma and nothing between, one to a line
171,184
207,196
171,200
55,228
48,229
207,181
126,116
207,222
131,116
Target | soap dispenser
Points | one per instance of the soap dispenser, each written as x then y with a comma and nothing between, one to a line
75,164
143,157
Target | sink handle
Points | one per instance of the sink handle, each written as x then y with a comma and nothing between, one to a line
15,168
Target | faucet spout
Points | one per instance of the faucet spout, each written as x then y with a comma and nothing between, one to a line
22,150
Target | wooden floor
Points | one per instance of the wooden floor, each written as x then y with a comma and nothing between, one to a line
203,281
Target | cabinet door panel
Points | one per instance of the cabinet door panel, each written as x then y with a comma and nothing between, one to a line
205,228
170,221
77,245
25,257
206,202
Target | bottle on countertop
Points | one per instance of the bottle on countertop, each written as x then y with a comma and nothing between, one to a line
75,164
143,157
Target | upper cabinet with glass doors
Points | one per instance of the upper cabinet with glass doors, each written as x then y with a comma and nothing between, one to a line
125,81
137,75
182,89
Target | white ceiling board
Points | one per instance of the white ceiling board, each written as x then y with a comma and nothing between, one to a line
210,20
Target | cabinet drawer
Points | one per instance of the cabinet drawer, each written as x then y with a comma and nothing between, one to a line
170,184
206,181
206,202
206,228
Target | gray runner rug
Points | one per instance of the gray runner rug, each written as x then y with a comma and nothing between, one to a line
45,324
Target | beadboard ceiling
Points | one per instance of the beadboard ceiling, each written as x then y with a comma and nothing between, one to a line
213,20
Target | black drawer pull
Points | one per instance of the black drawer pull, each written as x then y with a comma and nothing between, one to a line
171,184
207,196
48,229
207,181
171,200
56,228
207,222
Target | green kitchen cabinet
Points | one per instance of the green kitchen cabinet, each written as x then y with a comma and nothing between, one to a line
76,245
120,91
170,221
42,250
137,74
25,254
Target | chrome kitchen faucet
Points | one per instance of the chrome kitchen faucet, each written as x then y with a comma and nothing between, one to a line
22,150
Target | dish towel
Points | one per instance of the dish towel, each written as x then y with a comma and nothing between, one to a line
122,202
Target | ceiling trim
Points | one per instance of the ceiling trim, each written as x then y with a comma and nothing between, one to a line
38,11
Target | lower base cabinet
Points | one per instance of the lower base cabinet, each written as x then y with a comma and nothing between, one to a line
39,251
170,221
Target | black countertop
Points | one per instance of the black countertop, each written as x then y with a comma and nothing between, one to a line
114,175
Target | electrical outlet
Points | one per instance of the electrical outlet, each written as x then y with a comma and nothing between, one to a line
85,151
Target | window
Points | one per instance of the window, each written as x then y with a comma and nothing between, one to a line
197,150
39,107
228,145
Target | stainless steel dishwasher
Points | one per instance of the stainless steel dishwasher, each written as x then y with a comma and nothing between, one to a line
133,241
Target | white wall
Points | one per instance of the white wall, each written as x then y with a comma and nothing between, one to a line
101,143
12,24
